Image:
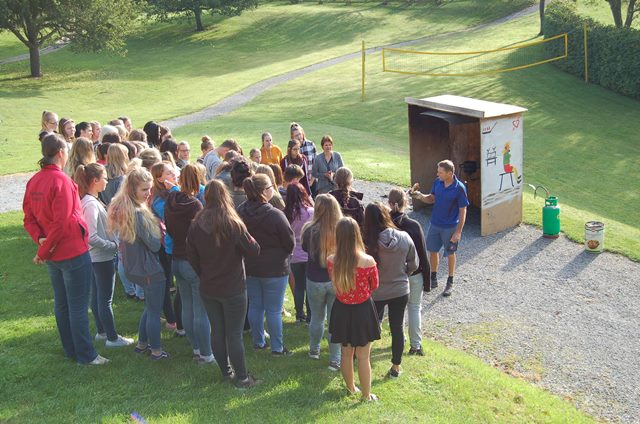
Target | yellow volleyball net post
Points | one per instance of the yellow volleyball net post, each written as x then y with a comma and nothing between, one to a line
485,62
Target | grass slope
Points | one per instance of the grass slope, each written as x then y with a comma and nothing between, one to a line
170,70
444,387
580,140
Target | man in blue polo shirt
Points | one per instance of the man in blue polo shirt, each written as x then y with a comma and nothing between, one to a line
449,198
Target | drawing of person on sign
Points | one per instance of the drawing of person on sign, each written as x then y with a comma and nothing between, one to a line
506,162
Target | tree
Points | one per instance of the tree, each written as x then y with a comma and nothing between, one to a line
91,25
165,8
633,8
542,2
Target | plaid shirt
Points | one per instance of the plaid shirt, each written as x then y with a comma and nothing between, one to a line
308,149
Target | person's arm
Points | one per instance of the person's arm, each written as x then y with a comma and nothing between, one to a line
30,222
152,242
316,172
424,198
249,246
62,209
193,256
412,258
374,279
458,233
285,233
91,215
305,239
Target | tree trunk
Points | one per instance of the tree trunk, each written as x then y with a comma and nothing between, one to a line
34,59
616,11
631,10
198,12
541,17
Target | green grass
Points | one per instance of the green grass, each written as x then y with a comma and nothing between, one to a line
580,140
444,387
10,46
170,70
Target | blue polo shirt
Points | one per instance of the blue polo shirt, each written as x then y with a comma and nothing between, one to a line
449,200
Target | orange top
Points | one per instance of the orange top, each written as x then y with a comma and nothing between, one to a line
273,156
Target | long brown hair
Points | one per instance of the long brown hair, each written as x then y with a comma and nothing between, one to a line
190,180
255,185
348,245
85,174
219,217
326,214
376,220
81,154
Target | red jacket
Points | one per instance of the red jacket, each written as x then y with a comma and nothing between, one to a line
52,210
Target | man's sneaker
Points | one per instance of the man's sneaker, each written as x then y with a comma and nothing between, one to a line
314,354
100,337
334,366
416,351
447,290
283,352
393,373
247,383
119,342
158,357
100,360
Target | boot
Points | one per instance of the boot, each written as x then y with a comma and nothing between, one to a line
448,288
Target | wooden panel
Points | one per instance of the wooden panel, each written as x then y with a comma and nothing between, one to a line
465,146
501,216
465,106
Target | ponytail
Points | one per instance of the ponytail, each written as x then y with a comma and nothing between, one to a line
85,175
51,145
255,186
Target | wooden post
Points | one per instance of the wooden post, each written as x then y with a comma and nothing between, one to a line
586,54
363,55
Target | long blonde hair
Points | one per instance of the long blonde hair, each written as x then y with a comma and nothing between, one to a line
326,214
124,206
81,154
348,245
117,160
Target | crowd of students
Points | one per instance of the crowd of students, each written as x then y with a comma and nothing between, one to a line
233,232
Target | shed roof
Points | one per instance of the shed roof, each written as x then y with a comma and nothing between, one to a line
466,106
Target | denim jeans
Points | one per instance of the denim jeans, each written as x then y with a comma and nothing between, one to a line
167,306
194,315
227,320
414,308
321,297
71,281
266,295
397,305
102,284
129,287
299,271
149,328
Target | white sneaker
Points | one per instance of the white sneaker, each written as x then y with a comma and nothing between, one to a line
100,360
207,360
121,341
101,336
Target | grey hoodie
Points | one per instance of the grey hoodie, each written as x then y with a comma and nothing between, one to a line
140,258
102,246
397,260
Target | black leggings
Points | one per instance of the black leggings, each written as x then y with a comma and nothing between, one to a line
396,307
167,308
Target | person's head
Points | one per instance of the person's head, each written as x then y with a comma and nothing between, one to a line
117,160
255,155
111,138
81,154
207,145
138,135
190,180
293,149
67,128
97,128
165,133
170,145
292,174
55,151
161,172
277,174
49,121
149,157
122,131
219,217
348,245
101,151
297,132
131,198
327,143
116,122
84,129
266,170
397,200
446,170
240,171
228,144
153,133
131,149
127,122
90,178
297,199
108,129
344,178
168,157
202,173
184,151
43,134
259,188
326,214
376,220
267,140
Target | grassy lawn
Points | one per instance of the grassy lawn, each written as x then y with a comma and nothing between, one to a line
10,46
580,140
444,387
170,70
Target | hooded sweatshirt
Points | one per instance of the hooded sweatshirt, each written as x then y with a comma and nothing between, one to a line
397,260
179,210
414,229
270,228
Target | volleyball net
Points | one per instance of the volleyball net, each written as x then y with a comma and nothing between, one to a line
485,62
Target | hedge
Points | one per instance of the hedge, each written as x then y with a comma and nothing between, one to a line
614,53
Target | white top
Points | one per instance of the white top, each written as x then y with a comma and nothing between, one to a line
466,106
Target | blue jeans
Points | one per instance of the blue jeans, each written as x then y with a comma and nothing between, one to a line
102,284
321,297
266,296
194,315
149,328
299,271
414,306
129,287
71,280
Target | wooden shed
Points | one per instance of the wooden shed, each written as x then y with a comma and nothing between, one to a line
485,142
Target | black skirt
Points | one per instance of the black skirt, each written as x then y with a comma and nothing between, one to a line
355,325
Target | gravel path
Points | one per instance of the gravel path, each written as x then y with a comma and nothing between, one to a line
56,46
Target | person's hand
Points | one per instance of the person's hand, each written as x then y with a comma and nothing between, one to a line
37,260
456,237
41,240
168,184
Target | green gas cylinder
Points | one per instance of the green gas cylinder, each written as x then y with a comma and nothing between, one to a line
551,218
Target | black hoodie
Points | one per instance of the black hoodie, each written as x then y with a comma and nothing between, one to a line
179,210
351,204
272,231
414,229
